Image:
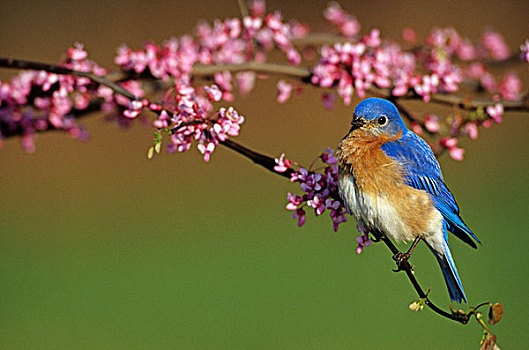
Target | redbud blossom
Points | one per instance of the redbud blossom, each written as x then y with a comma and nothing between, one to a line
348,24
282,164
471,129
284,91
495,44
409,35
495,112
320,190
510,87
455,152
431,123
245,82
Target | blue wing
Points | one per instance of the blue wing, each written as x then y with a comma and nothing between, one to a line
423,173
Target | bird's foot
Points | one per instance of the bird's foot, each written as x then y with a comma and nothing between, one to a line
402,258
402,261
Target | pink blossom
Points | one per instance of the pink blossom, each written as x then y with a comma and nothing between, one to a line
193,123
400,90
214,93
363,241
373,38
319,189
449,142
328,157
348,24
283,164
431,123
28,143
274,21
258,8
298,30
409,35
293,56
284,90
495,44
476,70
466,51
455,152
77,52
350,27
300,215
162,121
328,100
510,87
318,203
489,83
206,149
245,82
471,129
293,201
495,112
416,128
251,25
133,109
223,80
334,13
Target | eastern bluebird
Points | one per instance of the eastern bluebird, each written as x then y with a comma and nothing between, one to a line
390,181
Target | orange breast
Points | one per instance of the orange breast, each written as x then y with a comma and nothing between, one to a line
381,178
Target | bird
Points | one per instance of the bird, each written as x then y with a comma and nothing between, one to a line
390,181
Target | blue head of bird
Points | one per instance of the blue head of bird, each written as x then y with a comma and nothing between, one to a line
376,117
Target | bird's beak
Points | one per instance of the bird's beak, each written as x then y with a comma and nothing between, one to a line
357,123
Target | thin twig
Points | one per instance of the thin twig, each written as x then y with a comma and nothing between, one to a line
257,67
52,68
258,158
243,8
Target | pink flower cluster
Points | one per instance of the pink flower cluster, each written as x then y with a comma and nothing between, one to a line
363,240
369,62
348,24
509,88
320,189
54,99
360,64
191,120
459,126
455,152
232,41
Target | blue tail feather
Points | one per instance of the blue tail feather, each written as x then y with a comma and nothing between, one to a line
446,262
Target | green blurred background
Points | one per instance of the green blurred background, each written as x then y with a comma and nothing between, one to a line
101,248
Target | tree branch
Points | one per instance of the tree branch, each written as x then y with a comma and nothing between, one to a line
297,72
52,68
302,73
267,162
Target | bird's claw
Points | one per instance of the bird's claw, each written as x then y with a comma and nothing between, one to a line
402,261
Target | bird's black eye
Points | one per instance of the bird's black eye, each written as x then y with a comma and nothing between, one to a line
383,120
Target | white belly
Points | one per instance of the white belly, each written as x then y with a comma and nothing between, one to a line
379,212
